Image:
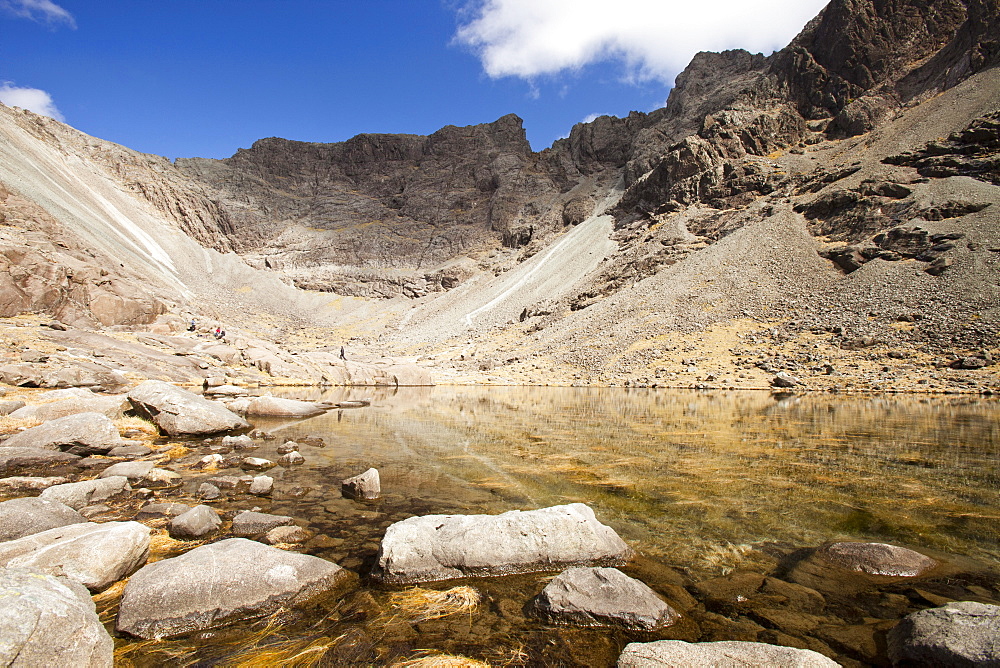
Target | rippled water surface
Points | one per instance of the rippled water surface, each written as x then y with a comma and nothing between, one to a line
697,482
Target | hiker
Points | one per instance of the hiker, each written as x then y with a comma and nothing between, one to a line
218,333
342,356
192,326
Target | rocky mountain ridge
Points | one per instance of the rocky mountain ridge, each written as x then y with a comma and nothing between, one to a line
851,175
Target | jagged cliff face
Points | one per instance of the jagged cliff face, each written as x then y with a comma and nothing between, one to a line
855,167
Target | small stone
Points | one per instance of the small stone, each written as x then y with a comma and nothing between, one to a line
250,523
256,464
262,485
287,534
291,459
287,446
364,486
195,523
208,491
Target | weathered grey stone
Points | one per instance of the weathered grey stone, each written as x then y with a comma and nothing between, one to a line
24,485
725,654
278,407
603,597
220,583
208,491
291,459
262,485
226,391
159,478
8,406
963,633
93,511
367,485
209,461
256,464
287,534
87,492
241,442
50,621
176,411
783,379
877,559
286,447
79,434
80,401
23,517
95,555
18,458
250,523
235,483
167,509
130,451
439,547
134,471
195,523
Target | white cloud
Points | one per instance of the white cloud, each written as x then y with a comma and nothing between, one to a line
652,39
40,11
590,118
33,99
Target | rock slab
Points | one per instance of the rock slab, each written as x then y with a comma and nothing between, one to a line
725,654
27,516
78,495
79,434
220,583
963,633
49,621
177,412
440,547
95,555
603,597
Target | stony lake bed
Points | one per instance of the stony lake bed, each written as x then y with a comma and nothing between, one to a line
733,503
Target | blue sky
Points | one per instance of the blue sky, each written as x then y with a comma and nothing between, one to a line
185,78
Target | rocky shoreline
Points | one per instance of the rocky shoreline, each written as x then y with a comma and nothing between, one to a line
169,537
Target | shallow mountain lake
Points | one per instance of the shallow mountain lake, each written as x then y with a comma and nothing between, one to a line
701,484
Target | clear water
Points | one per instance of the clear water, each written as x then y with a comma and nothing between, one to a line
697,482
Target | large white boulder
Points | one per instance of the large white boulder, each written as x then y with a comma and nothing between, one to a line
177,411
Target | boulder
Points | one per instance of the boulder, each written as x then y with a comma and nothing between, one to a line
10,405
725,654
262,485
134,471
208,491
223,582
877,559
95,555
278,407
441,547
242,442
603,597
195,523
962,633
79,434
783,379
50,621
17,458
80,494
250,523
82,401
364,486
23,517
178,412
256,464
291,459
25,485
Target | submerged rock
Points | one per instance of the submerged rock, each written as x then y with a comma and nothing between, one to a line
726,654
877,559
440,547
95,555
50,621
364,486
177,411
603,597
220,583
963,633
249,523
278,407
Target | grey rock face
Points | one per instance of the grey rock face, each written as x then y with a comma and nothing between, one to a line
95,555
439,547
262,485
726,654
195,523
23,517
49,621
79,434
24,485
134,471
278,407
79,494
82,401
177,411
7,406
250,523
16,458
364,486
964,633
603,597
219,583
877,559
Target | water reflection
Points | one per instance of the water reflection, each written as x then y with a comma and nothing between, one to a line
681,476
